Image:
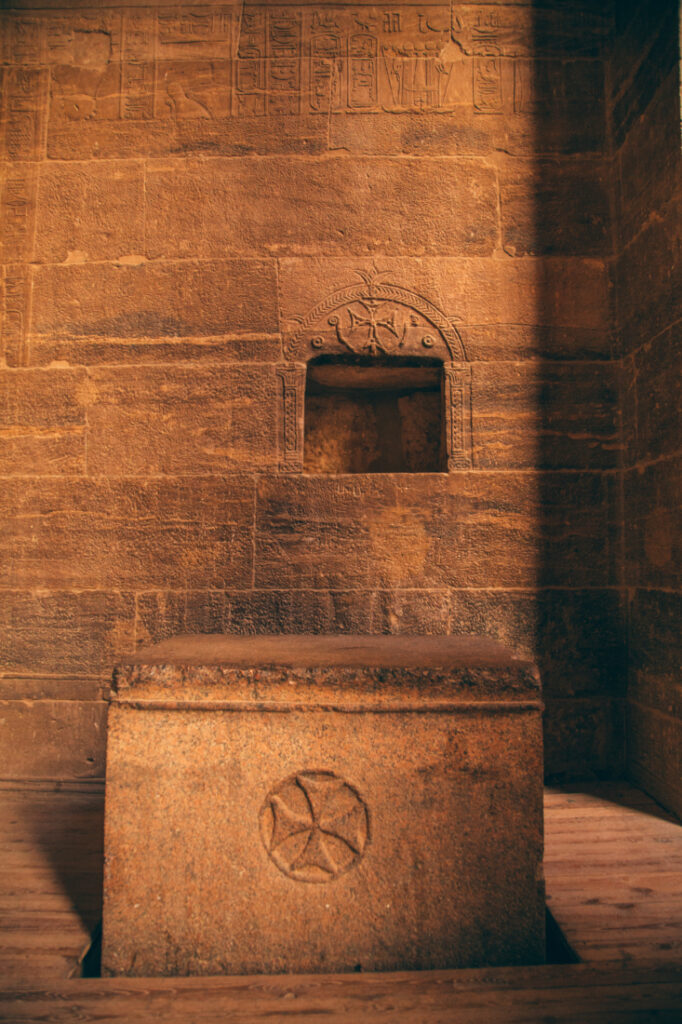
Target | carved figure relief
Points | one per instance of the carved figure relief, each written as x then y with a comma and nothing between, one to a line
376,319
271,60
314,826
375,316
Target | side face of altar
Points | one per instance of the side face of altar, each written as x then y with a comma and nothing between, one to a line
323,804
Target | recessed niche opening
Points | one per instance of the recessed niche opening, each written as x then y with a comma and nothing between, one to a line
368,415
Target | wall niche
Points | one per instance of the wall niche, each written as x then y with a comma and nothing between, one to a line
365,415
376,380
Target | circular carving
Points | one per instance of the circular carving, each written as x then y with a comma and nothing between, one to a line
314,826
428,341
317,342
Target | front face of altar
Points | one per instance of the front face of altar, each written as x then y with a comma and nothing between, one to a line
323,819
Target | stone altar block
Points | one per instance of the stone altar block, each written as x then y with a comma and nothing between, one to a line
281,804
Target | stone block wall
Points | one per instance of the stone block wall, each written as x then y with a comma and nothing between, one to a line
645,104
181,187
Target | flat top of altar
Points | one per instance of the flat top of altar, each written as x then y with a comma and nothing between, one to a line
324,670
327,650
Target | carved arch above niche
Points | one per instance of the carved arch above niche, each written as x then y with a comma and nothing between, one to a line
376,319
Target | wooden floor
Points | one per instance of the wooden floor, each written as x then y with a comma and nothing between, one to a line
613,866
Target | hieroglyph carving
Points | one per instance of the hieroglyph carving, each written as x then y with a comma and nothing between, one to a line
204,62
297,60
25,96
314,826
377,318
17,211
269,62
142,63
485,34
13,324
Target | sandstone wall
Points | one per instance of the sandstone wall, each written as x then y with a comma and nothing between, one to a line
180,185
645,91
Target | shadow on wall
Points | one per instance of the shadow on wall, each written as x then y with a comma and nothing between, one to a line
565,222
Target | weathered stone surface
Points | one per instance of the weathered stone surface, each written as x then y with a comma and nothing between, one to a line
650,278
15,314
492,342
571,293
189,298
553,416
23,113
548,106
645,84
42,422
53,688
197,118
561,106
435,134
462,529
90,212
653,544
367,834
248,135
645,183
111,140
655,643
93,534
181,420
331,206
656,385
655,753
110,351
563,210
637,77
584,737
52,739
575,636
64,633
375,431
162,615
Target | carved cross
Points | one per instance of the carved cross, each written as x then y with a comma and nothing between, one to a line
373,321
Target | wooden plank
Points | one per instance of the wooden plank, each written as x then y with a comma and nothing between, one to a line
572,993
613,869
650,884
50,879
25,968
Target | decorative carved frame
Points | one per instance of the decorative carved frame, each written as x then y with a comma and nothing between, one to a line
372,319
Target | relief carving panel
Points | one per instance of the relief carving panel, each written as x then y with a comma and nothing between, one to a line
314,826
25,92
271,61
297,60
289,60
377,319
15,312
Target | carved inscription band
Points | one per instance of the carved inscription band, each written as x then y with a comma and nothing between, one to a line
271,60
